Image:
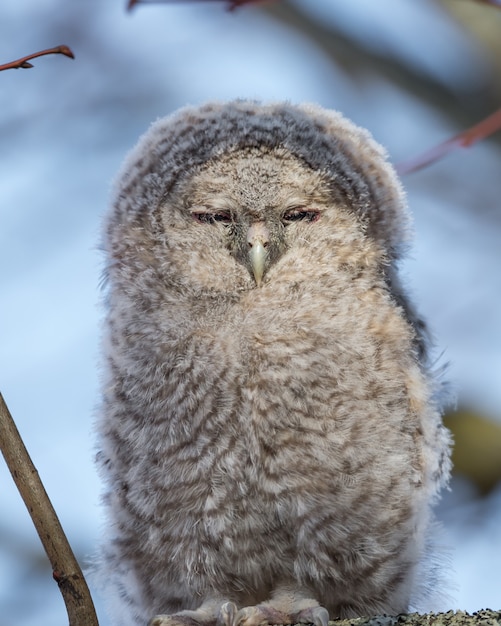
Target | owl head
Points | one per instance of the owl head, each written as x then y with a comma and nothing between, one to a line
233,187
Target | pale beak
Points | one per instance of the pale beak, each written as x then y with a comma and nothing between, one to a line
258,237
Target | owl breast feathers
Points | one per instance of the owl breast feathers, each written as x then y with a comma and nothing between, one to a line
270,436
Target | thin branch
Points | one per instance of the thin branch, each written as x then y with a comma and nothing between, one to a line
66,571
483,129
25,64
232,4
494,3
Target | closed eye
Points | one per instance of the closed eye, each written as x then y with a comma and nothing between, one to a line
300,215
213,217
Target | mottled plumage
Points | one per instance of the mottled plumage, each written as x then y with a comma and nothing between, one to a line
269,435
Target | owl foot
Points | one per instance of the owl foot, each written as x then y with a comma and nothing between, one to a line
283,608
267,615
316,615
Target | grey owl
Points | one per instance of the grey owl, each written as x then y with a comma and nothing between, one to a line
270,434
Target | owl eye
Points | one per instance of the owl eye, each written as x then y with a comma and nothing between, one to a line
300,215
214,217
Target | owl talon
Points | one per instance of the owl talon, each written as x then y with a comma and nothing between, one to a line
268,615
227,614
260,615
316,615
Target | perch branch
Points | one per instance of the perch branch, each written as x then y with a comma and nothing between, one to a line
451,618
25,61
66,571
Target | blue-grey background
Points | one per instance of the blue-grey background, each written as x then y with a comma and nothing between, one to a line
409,70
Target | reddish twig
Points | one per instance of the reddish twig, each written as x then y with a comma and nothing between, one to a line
231,4
494,3
483,129
25,64
66,571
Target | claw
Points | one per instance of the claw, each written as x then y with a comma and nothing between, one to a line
316,615
227,614
260,615
321,616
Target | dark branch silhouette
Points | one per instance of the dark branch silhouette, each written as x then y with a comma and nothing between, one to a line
231,4
234,4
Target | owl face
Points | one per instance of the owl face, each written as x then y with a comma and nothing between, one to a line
246,211
240,196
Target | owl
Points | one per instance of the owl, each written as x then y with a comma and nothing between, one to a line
269,434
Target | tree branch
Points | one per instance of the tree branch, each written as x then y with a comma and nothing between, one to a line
66,571
451,618
494,3
24,62
231,4
468,137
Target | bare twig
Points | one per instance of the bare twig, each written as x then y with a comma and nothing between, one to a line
231,4
494,3
483,129
66,571
24,62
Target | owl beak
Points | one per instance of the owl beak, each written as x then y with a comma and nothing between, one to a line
258,237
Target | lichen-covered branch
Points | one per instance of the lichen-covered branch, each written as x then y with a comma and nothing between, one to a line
451,618
66,570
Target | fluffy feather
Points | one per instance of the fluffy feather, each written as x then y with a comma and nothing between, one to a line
280,445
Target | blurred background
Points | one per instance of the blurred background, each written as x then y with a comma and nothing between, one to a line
413,72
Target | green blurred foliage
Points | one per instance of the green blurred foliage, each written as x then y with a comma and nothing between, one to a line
477,448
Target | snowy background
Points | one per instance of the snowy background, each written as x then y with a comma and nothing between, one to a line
65,127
